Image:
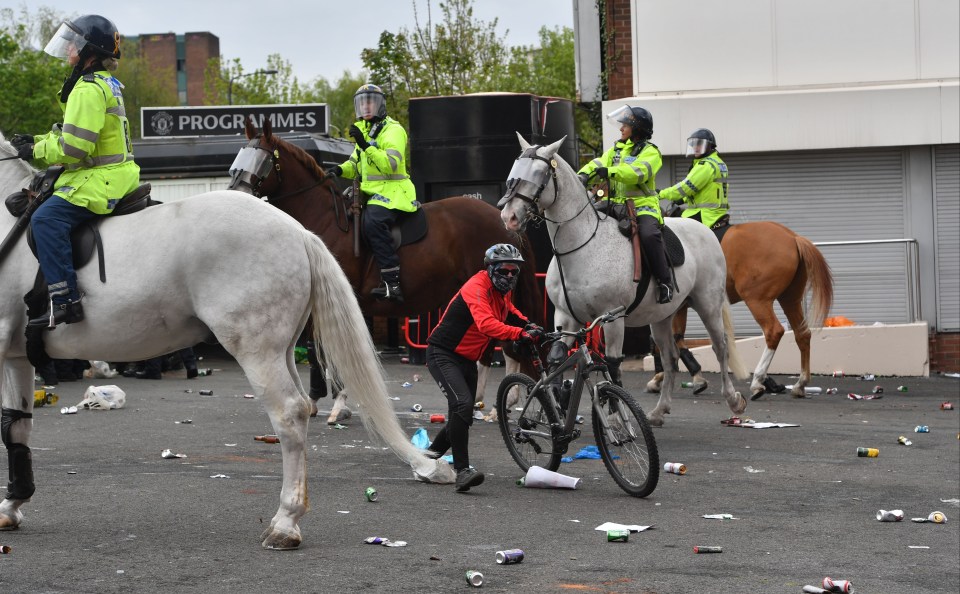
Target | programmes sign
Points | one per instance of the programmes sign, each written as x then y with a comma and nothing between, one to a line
227,120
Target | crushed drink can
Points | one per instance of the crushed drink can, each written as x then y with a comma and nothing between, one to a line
868,452
509,556
868,377
877,390
701,550
438,418
478,405
675,468
5,550
937,517
904,441
901,388
686,384
204,371
618,535
831,391
474,578
416,408
808,589
522,481
832,585
416,377
946,406
837,374
894,515
206,392
371,494
267,438
921,429
376,540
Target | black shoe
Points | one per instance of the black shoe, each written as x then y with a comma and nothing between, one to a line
192,372
129,372
148,375
468,477
664,294
63,313
389,291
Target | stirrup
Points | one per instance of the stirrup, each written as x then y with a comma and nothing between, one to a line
664,294
389,291
70,312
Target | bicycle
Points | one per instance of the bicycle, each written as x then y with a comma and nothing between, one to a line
547,420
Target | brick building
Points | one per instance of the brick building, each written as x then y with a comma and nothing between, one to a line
185,54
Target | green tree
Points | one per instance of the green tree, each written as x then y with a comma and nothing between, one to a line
144,85
339,99
31,78
254,87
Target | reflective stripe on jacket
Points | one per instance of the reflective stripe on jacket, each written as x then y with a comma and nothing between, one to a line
94,144
631,176
704,190
383,167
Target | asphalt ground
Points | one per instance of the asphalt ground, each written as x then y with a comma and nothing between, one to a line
111,515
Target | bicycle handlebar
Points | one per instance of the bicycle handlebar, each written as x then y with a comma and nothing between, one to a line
601,319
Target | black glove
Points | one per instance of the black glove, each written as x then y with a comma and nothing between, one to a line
357,135
535,332
601,172
25,152
584,179
335,171
20,140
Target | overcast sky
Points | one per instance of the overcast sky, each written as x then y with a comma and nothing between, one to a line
318,37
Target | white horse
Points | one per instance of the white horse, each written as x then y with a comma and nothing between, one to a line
592,268
221,264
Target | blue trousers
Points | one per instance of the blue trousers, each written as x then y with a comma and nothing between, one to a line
376,228
51,225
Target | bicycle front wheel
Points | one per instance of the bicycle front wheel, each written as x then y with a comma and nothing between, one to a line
626,443
525,419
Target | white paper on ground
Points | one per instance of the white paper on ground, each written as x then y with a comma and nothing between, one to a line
614,526
766,425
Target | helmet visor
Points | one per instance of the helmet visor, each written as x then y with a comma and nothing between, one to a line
367,105
66,42
697,147
623,115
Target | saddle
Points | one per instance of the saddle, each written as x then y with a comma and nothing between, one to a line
410,227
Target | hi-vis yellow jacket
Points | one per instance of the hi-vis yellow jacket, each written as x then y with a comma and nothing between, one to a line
632,175
382,166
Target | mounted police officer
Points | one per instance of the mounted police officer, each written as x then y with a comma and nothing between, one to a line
704,190
380,162
94,145
631,166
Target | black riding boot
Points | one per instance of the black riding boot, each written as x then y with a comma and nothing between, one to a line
652,241
69,312
391,285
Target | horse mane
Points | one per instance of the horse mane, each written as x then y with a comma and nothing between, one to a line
302,157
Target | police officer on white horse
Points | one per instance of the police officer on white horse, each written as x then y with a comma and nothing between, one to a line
94,145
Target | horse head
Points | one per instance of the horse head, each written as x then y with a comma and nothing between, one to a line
251,168
535,169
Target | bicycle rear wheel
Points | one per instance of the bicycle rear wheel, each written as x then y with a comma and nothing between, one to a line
526,426
627,445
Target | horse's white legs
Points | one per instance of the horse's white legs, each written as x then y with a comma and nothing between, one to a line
483,372
715,325
653,386
760,373
340,410
16,397
663,336
288,412
510,365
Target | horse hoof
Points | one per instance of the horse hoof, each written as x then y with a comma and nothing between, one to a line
698,388
343,415
281,541
757,393
798,394
314,411
653,387
655,420
741,403
11,522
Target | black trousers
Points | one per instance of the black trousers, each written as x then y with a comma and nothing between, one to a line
376,227
457,378
652,242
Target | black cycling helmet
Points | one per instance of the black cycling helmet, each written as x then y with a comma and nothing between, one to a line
502,252
638,118
89,34
701,142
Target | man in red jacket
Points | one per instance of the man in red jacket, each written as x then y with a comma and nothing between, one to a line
480,311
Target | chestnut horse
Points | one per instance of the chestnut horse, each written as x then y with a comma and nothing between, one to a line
768,262
460,229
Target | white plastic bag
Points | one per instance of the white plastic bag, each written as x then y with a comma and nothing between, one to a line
100,370
103,398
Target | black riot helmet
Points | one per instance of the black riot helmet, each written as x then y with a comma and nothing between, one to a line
700,143
370,102
86,35
639,120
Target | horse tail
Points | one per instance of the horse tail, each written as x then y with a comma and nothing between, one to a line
733,354
819,280
350,350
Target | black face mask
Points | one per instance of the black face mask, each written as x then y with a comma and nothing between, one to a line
504,284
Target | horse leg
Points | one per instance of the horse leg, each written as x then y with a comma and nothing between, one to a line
662,331
719,326
772,333
793,309
613,334
288,413
483,372
689,361
510,365
318,377
340,411
16,423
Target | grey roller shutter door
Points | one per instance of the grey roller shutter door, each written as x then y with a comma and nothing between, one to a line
947,220
829,196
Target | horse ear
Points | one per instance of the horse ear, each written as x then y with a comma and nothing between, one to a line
249,128
552,149
523,143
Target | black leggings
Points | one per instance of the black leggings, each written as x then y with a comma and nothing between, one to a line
652,241
457,378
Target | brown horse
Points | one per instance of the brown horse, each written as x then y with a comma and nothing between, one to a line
460,229
768,262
